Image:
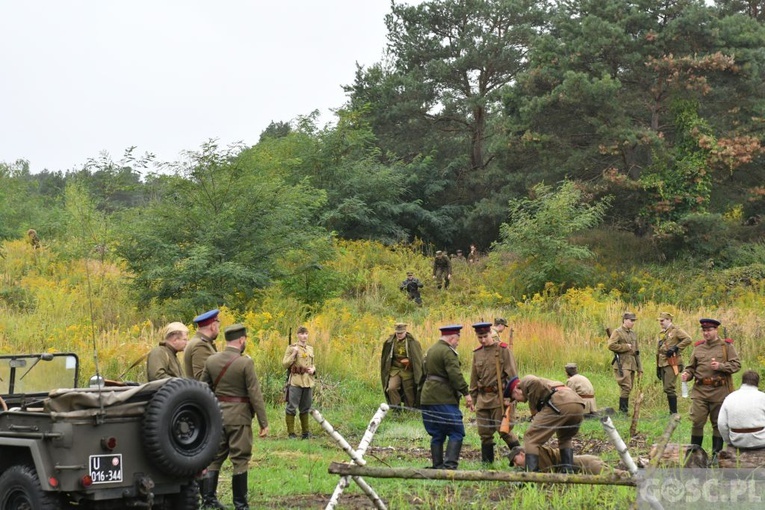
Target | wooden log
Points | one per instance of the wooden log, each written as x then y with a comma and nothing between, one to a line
657,451
340,468
741,459
618,443
677,455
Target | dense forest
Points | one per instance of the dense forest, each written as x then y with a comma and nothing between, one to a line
516,125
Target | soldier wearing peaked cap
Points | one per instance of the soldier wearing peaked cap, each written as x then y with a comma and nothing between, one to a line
712,362
299,360
500,325
231,376
624,344
401,367
669,358
202,344
491,360
440,397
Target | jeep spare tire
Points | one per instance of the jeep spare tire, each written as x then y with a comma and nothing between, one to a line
182,427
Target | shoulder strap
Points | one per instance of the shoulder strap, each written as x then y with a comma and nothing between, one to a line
220,375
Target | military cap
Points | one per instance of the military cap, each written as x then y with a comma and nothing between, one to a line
514,451
206,318
400,327
234,332
410,273
709,323
481,328
510,386
500,320
570,365
453,329
629,315
439,252
302,329
174,327
666,315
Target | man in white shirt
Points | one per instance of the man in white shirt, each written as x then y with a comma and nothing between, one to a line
742,416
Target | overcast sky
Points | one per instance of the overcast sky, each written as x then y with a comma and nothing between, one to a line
82,77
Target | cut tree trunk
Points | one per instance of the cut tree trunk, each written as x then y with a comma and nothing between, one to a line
741,459
685,455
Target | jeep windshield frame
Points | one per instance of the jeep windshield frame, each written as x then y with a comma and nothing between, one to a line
25,376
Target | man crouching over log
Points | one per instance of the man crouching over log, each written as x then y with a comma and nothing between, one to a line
549,460
555,409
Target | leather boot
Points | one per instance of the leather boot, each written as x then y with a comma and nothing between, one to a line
532,463
566,460
291,426
452,457
697,440
239,489
624,405
209,490
304,426
717,445
437,454
672,401
487,453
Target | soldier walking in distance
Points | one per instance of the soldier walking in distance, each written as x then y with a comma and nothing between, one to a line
624,343
669,360
584,388
442,270
492,360
162,361
202,344
401,367
500,325
440,398
412,287
231,376
555,409
712,362
299,361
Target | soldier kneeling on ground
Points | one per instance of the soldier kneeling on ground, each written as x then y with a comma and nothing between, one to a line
550,461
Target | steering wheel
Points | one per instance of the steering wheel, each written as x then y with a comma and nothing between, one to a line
3,404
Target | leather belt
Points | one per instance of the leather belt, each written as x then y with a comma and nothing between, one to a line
715,382
436,378
487,389
587,396
239,400
751,430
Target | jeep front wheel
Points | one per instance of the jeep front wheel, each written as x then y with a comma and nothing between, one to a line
182,427
20,490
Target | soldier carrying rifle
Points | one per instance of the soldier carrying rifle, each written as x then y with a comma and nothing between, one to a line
412,287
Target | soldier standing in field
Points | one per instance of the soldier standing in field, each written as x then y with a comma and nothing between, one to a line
299,361
231,376
555,409
500,325
442,270
712,362
412,287
491,360
202,344
584,388
34,239
401,367
162,361
669,361
440,398
624,343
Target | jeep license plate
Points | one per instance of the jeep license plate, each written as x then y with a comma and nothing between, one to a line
106,468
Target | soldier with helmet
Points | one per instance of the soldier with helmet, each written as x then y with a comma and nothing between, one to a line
624,344
669,359
202,344
231,376
493,366
712,362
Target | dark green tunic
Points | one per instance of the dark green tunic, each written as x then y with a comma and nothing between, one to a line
442,361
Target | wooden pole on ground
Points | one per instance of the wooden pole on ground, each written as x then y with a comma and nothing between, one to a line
618,443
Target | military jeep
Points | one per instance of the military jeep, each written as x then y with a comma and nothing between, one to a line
100,447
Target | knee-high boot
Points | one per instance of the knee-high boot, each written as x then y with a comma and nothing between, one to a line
672,401
452,457
437,455
290,418
624,405
304,426
566,460
239,489
209,490
487,453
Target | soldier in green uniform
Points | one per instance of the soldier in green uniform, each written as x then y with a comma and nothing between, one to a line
202,344
712,362
491,360
401,367
624,344
162,361
549,460
232,378
298,359
440,398
500,325
671,341
442,270
555,409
